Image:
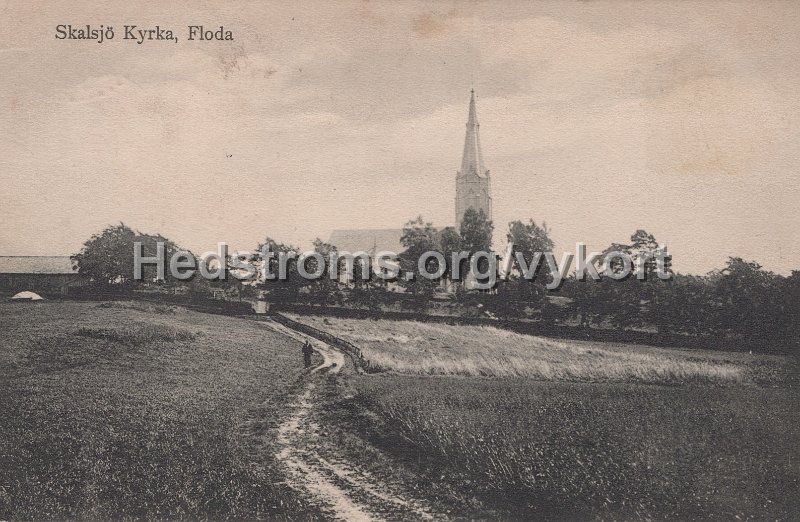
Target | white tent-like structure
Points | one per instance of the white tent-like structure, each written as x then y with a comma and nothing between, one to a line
28,296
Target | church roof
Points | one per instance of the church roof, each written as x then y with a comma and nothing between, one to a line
36,265
473,158
371,241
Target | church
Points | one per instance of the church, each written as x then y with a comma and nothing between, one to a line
473,190
473,182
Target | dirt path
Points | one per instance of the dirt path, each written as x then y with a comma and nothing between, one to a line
338,486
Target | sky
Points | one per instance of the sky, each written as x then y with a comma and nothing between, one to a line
598,118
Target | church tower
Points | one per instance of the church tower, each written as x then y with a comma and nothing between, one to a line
472,181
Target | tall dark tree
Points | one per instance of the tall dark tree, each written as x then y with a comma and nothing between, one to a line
476,231
450,243
746,294
324,290
108,257
644,245
419,237
476,236
624,303
280,289
644,249
528,239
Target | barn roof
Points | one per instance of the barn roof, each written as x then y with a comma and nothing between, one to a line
371,241
36,265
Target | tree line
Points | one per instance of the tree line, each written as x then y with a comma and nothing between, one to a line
741,300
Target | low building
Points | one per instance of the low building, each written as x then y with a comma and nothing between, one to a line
371,241
47,275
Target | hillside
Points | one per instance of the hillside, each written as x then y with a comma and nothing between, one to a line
128,410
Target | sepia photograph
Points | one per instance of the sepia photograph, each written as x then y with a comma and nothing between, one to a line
364,260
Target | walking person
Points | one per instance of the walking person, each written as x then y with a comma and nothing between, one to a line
307,351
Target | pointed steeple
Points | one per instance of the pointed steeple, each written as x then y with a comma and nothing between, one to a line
472,160
473,188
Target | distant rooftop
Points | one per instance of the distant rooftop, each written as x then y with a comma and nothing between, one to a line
36,265
371,241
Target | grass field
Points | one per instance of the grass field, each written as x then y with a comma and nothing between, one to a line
130,410
526,428
520,449
126,410
438,349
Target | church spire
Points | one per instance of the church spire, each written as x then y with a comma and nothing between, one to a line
472,181
472,160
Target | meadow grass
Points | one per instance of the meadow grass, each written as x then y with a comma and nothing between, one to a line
130,411
519,449
411,347
523,427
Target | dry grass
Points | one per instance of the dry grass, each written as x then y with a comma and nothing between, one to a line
573,430
437,349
